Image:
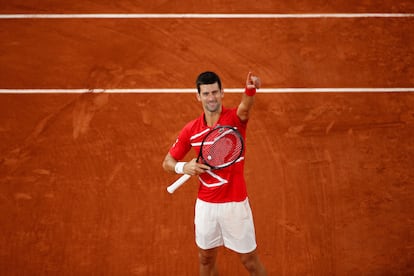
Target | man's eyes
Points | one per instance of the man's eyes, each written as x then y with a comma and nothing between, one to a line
208,93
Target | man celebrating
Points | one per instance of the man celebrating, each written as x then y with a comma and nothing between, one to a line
222,212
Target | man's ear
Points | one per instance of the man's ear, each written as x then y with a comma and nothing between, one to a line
198,97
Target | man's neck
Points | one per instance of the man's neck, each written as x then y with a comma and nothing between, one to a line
211,118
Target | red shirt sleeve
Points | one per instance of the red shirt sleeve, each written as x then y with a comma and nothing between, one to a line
182,145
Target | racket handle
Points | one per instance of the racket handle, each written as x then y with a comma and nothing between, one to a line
180,181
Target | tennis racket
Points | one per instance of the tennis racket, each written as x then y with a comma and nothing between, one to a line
220,148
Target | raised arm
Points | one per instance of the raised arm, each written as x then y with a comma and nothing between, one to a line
252,83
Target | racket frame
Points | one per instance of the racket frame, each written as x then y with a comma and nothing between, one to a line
174,186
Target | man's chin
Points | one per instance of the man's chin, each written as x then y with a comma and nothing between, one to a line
212,108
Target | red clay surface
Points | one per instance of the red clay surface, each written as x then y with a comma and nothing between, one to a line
330,176
211,6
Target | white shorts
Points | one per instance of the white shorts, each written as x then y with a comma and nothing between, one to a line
229,224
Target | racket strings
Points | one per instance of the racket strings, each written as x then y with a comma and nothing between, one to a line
222,148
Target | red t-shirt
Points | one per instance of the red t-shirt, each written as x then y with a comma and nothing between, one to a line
216,186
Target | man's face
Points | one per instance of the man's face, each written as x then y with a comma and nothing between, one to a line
210,96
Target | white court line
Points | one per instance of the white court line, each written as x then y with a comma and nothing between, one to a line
200,15
193,90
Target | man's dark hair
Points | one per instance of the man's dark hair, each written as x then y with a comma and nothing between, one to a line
208,78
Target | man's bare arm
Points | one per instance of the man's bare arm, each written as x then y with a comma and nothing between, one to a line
191,167
243,110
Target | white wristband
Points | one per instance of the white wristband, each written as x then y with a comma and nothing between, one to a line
179,167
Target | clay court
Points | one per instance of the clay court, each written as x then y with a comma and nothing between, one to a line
329,172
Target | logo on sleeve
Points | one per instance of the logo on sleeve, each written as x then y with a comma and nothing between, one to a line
175,143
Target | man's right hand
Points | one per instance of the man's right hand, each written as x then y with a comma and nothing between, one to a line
194,168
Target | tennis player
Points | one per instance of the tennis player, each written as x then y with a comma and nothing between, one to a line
222,212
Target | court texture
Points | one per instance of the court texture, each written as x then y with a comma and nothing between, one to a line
93,94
